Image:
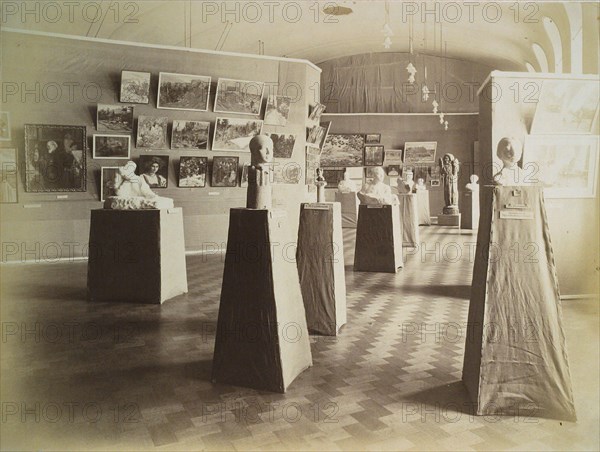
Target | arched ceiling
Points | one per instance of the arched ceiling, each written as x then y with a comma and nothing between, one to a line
492,33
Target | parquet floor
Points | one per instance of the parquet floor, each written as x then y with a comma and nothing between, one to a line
108,376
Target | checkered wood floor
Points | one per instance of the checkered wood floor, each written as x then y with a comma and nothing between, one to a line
108,376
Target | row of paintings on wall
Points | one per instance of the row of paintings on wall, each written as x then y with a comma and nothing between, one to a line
192,93
351,149
225,171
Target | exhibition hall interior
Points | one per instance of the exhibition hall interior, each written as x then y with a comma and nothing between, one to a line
284,225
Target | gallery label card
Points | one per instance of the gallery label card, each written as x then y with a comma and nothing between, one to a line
317,206
516,214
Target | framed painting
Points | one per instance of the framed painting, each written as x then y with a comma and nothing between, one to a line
152,132
155,170
565,165
566,106
4,126
8,176
114,118
343,150
192,171
312,163
278,110
55,158
283,145
239,96
393,170
189,134
373,155
135,87
183,92
111,146
315,112
372,138
224,171
108,175
315,135
419,152
234,134
393,157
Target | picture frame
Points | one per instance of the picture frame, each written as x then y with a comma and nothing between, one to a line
333,176
193,171
152,132
343,150
224,171
234,134
155,170
374,154
8,176
315,135
239,96
4,126
566,107
434,182
393,157
183,91
315,112
326,125
393,170
419,152
135,87
372,138
565,165
107,178
55,158
283,145
277,110
108,146
114,118
190,134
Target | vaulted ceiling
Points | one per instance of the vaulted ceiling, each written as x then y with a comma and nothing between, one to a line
499,35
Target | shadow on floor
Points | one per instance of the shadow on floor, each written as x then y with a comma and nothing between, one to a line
443,400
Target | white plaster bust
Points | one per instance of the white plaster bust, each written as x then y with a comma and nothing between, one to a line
347,185
377,192
420,184
473,185
510,151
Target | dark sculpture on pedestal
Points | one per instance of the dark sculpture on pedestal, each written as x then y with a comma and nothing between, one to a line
449,167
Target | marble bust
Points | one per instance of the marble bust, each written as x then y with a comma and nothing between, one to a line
259,194
347,185
405,186
420,184
510,150
321,183
133,192
473,185
377,192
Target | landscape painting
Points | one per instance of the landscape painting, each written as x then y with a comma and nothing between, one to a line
421,152
152,132
192,171
343,150
278,110
183,92
114,118
190,134
239,96
135,87
225,171
234,134
111,146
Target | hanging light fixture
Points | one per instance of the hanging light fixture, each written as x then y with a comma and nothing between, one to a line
387,29
410,68
444,75
435,106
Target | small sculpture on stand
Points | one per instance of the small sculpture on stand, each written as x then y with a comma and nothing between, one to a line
320,183
510,150
473,185
449,167
133,192
259,195
420,185
406,185
377,192
347,185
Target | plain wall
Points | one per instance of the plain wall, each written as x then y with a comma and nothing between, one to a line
41,221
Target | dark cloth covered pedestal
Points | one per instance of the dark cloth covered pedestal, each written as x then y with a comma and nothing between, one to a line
136,255
262,339
378,239
320,259
516,354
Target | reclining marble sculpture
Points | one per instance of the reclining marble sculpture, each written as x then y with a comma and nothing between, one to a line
510,150
260,191
133,193
377,192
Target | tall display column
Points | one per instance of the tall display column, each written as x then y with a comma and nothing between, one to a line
516,354
262,339
320,259
378,239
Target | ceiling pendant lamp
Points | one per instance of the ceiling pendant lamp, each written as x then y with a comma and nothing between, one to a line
435,106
